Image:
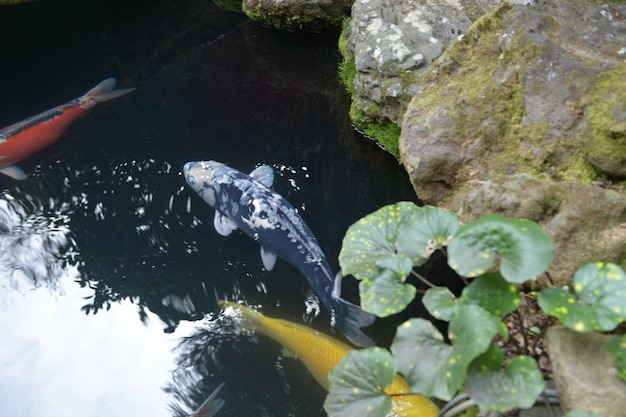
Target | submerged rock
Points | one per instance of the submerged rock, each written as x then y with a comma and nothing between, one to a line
297,14
584,372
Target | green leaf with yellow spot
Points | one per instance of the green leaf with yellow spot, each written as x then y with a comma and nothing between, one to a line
382,248
385,295
402,228
434,367
401,265
598,303
430,229
493,293
523,249
439,302
517,386
357,384
617,347
490,361
373,239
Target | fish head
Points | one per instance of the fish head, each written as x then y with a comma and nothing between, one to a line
200,175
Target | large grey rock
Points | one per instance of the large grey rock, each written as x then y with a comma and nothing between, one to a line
584,373
526,90
390,41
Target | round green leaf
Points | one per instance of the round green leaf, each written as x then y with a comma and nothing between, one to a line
559,303
439,302
491,360
357,384
617,347
400,264
433,367
523,248
372,239
432,228
401,228
493,293
471,331
518,386
598,303
385,295
422,357
602,284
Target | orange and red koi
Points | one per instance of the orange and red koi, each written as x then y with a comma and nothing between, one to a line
22,139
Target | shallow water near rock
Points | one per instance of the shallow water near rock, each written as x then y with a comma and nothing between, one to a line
110,269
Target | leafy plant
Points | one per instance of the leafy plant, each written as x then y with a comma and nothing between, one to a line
598,303
356,386
522,247
382,248
497,254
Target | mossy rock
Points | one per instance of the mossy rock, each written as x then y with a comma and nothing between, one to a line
297,14
604,140
517,94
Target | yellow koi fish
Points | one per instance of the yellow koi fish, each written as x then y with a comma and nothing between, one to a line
321,353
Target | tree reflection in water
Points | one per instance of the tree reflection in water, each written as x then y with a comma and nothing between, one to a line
34,248
197,361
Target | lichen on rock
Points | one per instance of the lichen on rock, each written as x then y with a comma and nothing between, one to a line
526,92
388,44
518,95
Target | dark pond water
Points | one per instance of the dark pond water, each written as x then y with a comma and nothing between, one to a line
110,270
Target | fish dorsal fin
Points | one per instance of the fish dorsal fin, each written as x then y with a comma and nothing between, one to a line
263,174
14,172
223,224
268,257
288,353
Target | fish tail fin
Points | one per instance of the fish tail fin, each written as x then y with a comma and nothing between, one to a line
104,92
349,318
211,405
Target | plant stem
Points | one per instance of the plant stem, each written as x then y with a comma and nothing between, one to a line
424,280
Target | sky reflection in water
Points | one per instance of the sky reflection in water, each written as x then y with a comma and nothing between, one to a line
107,364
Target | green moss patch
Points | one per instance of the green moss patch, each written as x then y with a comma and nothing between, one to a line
604,141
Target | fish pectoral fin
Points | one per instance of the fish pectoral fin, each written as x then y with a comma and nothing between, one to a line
14,172
287,353
263,174
336,293
268,257
223,224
